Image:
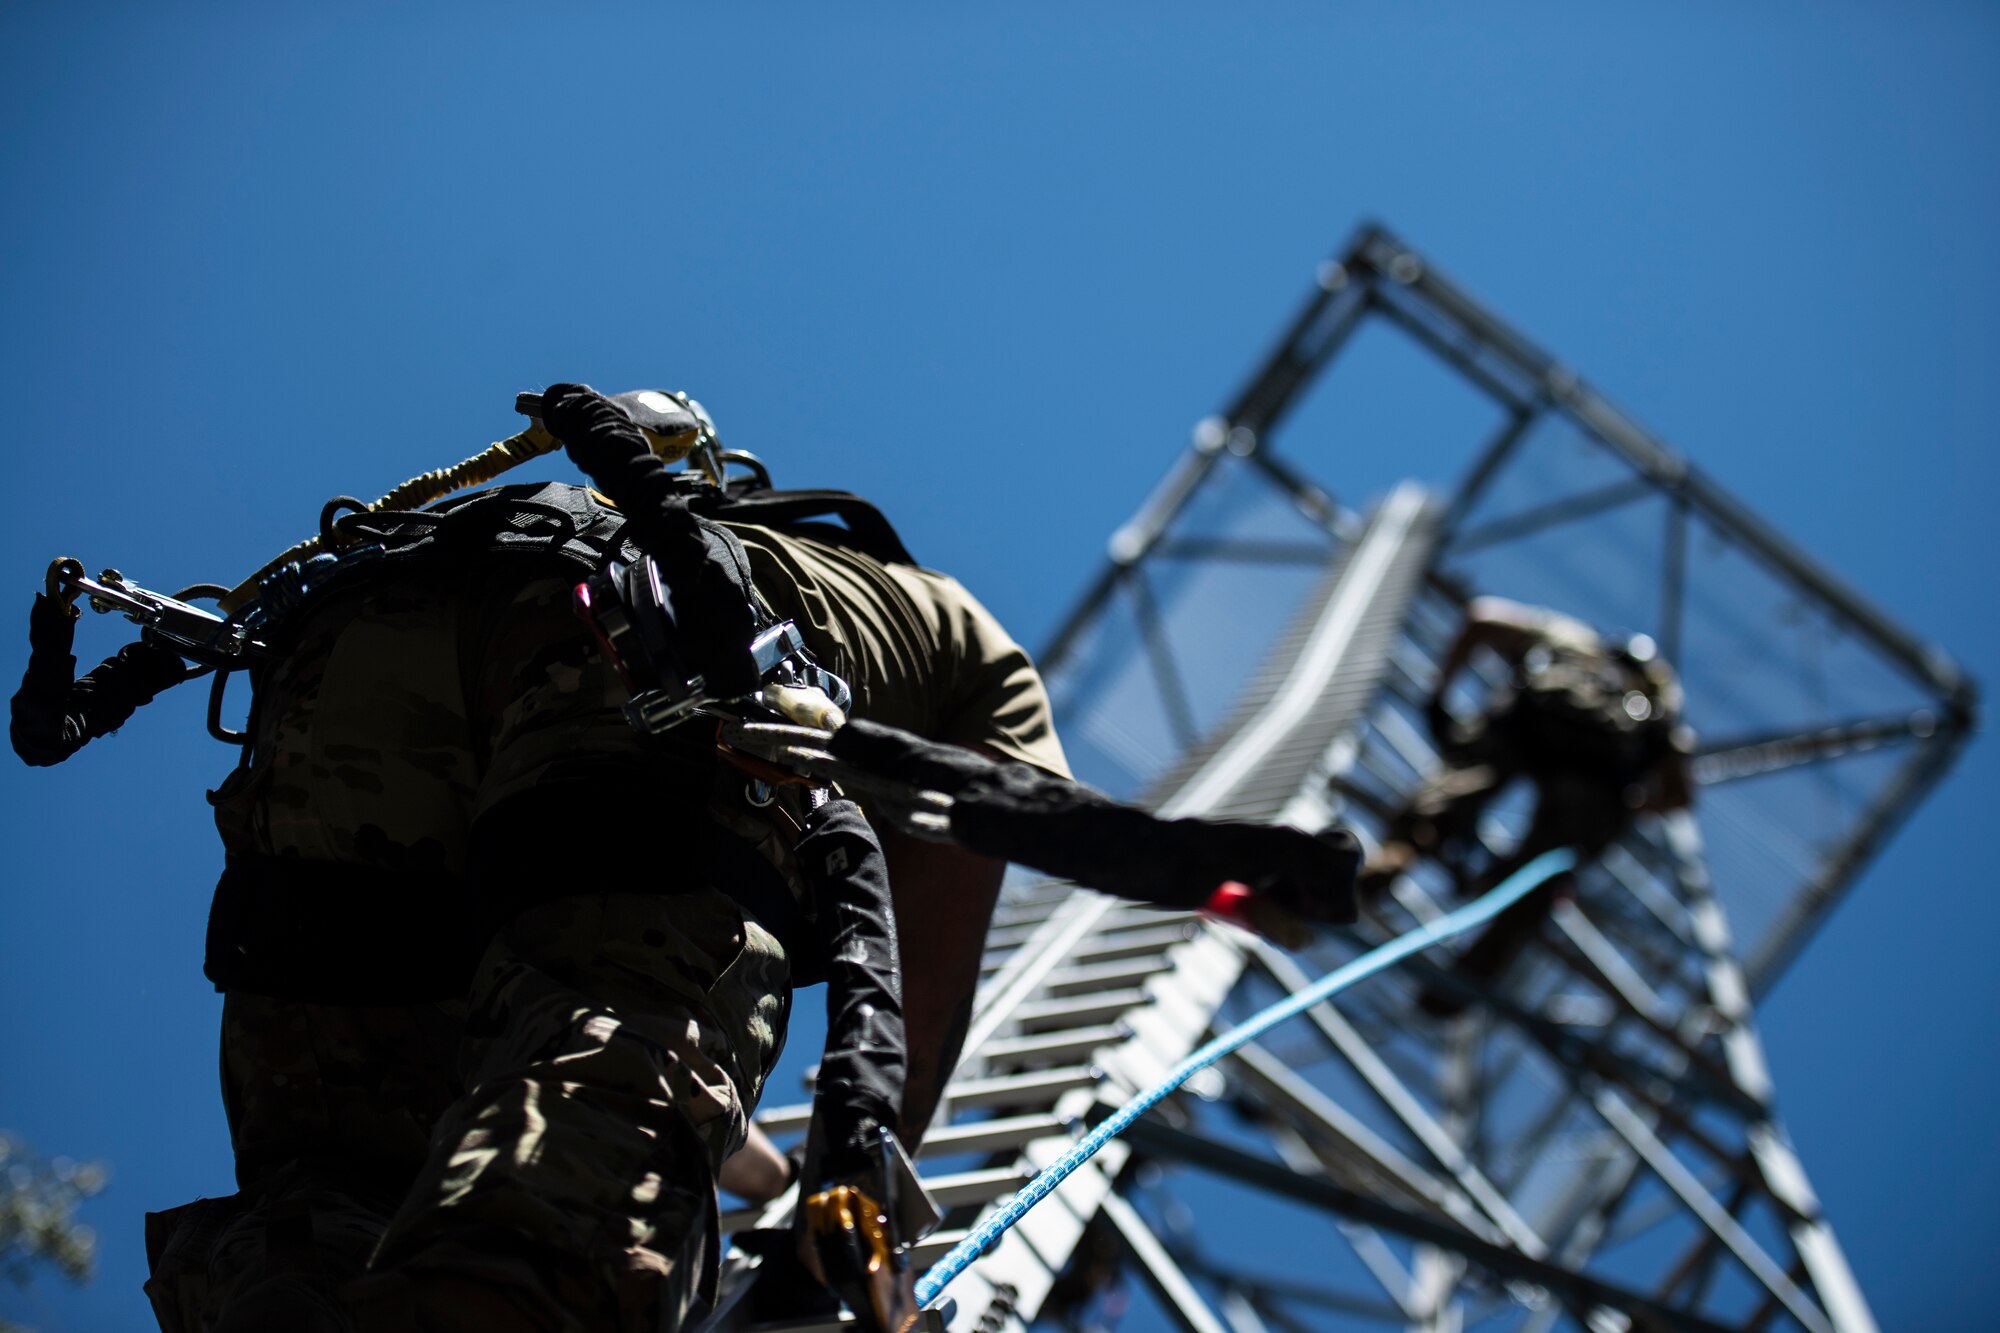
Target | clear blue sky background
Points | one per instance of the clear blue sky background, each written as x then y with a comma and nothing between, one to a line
988,270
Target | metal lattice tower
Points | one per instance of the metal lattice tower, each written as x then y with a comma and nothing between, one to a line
1595,1142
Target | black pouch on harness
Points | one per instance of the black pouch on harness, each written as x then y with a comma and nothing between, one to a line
323,933
604,836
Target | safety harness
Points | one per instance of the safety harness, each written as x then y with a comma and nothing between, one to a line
337,935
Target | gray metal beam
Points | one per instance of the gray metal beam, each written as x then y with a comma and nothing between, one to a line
1265,1290
1378,249
1783,1175
1160,654
1581,1288
1646,1072
1338,1137
1555,513
1801,917
1443,1148
1496,452
1633,1128
1731,758
1182,1302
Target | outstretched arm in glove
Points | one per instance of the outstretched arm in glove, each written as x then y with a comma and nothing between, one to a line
1013,812
53,714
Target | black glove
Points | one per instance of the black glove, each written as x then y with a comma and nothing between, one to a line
54,716
1443,723
600,438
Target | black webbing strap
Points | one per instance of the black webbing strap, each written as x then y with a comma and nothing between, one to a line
866,530
582,837
321,932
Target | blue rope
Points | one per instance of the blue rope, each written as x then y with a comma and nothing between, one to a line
1509,891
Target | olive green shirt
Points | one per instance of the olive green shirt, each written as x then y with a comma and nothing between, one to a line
917,649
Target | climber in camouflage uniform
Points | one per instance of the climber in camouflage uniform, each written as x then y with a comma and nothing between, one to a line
606,1038
505,971
1593,725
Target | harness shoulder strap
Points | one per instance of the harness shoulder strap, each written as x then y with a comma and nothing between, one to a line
549,520
725,549
865,530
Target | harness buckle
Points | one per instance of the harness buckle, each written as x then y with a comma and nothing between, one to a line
629,610
859,1233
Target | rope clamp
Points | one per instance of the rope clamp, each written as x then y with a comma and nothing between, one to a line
188,630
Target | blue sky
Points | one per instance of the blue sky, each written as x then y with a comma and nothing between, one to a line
988,270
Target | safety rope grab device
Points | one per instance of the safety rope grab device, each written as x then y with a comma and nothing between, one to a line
674,424
1509,891
676,427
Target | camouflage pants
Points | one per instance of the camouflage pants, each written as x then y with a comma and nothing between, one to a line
541,1157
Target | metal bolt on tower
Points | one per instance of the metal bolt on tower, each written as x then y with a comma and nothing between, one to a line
1594,1142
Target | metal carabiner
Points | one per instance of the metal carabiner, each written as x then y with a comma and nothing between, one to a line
61,583
708,451
751,461
216,690
329,532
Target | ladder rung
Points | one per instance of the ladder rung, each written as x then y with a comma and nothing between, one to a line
1116,938
740,1219
1065,1044
1133,943
1101,976
1010,1089
994,1135
982,1186
1040,1086
1023,914
935,1247
1135,917
785,1119
948,1191
1077,1010
1043,891
1010,937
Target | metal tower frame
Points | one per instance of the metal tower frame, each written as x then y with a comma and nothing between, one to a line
1595,1140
